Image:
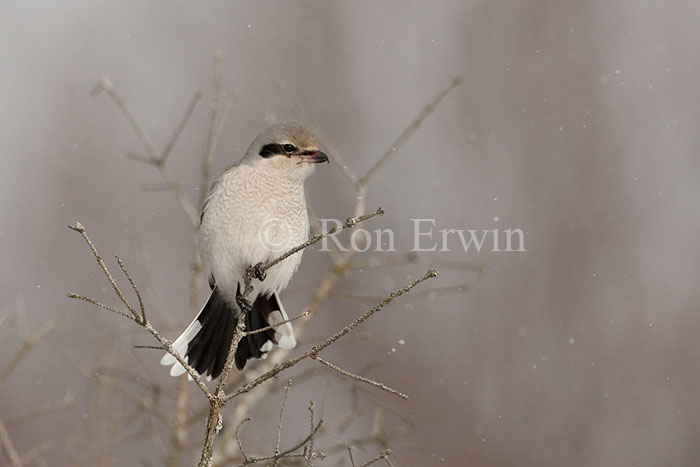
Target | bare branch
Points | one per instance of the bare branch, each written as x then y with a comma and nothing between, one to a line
137,157
279,427
209,142
352,461
310,452
134,288
433,292
157,160
375,262
313,352
410,129
42,410
154,187
384,455
273,326
142,404
428,275
219,132
78,227
214,418
179,433
260,268
287,453
181,126
167,345
100,304
328,147
9,447
35,454
238,439
28,344
362,379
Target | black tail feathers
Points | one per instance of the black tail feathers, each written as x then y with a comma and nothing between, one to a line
207,349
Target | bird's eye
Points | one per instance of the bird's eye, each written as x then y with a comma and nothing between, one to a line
289,148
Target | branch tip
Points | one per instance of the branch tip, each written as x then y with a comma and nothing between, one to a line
102,85
77,226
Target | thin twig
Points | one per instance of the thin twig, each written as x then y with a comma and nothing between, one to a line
181,125
138,157
150,347
9,447
221,125
382,455
352,461
167,345
349,223
143,404
411,257
238,439
314,351
42,410
105,84
209,141
362,379
326,143
34,454
78,227
279,427
288,452
100,304
28,344
273,326
433,292
410,129
134,288
154,187
309,457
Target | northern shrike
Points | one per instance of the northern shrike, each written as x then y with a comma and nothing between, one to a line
255,211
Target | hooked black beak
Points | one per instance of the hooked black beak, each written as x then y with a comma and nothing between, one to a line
313,157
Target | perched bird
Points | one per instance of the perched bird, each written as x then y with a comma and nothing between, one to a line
255,212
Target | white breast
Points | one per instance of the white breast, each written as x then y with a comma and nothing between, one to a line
250,218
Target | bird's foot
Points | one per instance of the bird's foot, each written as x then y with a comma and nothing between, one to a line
259,272
243,303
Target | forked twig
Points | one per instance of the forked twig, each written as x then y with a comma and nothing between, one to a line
314,351
134,316
106,85
279,427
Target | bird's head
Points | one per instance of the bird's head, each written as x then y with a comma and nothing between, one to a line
286,148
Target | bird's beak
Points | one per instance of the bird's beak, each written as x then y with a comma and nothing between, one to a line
313,157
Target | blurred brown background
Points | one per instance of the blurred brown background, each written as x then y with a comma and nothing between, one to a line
576,123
